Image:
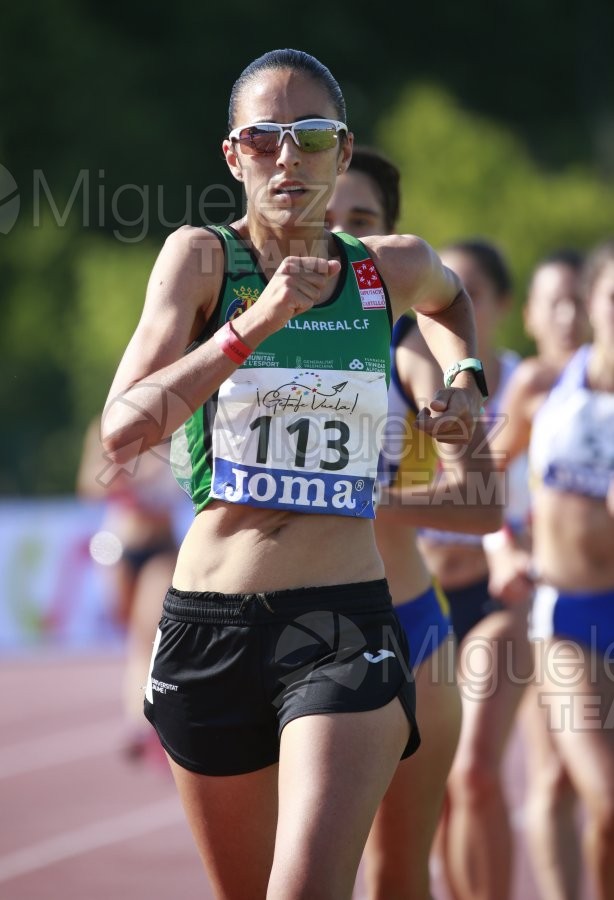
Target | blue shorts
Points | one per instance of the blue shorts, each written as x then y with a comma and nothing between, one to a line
469,605
587,618
229,671
426,623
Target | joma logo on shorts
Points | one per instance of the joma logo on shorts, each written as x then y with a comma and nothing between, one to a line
382,655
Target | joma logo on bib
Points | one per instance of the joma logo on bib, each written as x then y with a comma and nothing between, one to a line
281,489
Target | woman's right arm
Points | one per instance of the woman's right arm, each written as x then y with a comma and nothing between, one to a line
180,294
511,432
157,387
510,563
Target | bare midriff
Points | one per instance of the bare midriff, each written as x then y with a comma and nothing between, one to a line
137,528
238,549
573,540
455,565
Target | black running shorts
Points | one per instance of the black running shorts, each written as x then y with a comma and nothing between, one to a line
229,671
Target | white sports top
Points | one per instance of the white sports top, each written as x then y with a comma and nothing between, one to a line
572,439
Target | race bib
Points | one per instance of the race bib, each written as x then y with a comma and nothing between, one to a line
304,441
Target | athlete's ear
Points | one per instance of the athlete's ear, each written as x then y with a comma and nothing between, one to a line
232,159
345,154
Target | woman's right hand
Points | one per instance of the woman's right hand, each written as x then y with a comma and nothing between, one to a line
296,286
511,575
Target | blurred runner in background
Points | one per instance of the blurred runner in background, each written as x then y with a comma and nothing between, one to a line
138,547
494,662
563,405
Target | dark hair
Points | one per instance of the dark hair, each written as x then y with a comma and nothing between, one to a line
297,60
564,256
385,176
489,259
601,256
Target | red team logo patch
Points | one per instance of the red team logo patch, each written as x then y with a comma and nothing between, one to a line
369,284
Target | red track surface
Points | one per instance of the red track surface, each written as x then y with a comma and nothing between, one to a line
79,822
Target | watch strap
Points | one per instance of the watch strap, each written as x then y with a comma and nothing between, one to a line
470,364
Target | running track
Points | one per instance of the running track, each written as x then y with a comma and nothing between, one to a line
79,822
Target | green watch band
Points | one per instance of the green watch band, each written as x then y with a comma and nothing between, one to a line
468,365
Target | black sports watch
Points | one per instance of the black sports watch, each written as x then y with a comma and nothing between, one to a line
468,365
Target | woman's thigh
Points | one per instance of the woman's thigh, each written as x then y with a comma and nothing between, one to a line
575,688
405,824
233,819
495,666
333,771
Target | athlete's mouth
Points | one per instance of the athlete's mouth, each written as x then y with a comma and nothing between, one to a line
294,189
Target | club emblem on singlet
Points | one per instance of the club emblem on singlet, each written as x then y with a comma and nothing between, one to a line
245,297
370,286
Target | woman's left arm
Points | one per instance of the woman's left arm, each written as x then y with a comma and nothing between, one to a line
416,278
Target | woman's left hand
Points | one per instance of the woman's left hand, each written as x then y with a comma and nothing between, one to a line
451,415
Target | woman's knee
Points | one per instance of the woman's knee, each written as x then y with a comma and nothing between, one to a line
600,815
388,882
474,781
550,793
553,782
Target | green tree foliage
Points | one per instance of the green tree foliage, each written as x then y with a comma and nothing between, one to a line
112,117
110,282
71,299
465,176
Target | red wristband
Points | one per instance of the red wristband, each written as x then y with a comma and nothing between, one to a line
231,344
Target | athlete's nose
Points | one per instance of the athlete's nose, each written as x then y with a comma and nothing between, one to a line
288,154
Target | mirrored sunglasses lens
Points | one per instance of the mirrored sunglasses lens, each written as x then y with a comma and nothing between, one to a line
260,140
313,137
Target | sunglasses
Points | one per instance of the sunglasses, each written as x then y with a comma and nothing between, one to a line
309,135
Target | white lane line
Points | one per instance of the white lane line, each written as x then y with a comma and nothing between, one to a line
91,837
60,748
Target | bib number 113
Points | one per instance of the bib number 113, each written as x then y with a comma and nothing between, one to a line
301,428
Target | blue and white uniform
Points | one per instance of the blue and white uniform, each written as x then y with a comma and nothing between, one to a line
572,451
